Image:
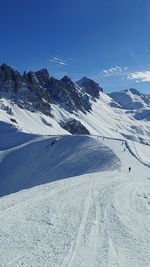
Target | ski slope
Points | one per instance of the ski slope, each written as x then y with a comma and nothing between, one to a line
87,210
45,159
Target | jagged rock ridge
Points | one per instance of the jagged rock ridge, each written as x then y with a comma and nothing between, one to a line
90,87
25,90
36,91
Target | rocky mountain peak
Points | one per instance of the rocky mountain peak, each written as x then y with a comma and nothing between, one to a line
7,73
90,87
133,91
24,90
36,91
66,79
43,76
67,94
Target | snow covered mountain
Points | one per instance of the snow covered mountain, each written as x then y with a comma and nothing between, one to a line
37,103
67,197
137,103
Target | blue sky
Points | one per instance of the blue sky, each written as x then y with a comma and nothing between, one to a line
106,40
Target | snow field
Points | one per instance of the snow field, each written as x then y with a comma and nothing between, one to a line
98,218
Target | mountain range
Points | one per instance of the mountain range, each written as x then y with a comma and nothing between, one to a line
74,173
39,103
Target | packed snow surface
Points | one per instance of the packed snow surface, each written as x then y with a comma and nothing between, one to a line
45,159
142,152
88,210
70,201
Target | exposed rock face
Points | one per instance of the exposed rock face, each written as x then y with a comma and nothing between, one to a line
36,91
75,127
90,87
25,90
43,77
68,95
9,78
133,91
37,95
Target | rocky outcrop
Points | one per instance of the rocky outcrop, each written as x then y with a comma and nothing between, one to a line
75,127
43,77
10,80
24,90
90,87
37,90
68,95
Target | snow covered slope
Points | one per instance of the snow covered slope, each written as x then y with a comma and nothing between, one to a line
70,200
94,219
137,104
39,104
45,159
131,99
142,152
101,120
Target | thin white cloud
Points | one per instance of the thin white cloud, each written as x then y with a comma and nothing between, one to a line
123,73
59,61
139,76
114,71
57,58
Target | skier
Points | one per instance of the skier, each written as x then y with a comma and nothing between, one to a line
129,169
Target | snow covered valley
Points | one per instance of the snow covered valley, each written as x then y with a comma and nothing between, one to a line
73,203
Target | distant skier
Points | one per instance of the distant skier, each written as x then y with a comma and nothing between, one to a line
129,169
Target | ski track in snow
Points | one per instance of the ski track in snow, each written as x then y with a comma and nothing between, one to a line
94,220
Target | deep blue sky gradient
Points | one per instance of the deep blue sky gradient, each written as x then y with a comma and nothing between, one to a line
89,35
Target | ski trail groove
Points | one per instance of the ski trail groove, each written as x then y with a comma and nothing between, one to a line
75,248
